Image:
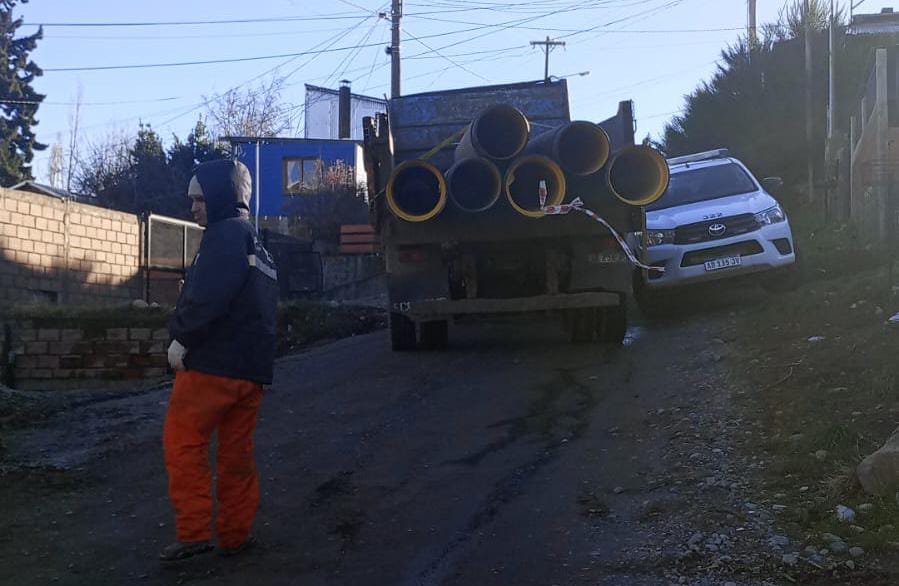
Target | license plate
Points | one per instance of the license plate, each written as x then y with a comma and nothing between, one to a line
722,263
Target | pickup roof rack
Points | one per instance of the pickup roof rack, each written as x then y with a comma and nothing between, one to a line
703,156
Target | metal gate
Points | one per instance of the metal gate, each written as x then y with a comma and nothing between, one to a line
171,246
299,267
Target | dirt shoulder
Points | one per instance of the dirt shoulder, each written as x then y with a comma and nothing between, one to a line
815,374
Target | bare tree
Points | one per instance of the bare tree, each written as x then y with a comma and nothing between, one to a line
74,121
56,166
252,112
104,163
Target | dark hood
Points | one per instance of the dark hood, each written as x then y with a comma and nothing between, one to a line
227,188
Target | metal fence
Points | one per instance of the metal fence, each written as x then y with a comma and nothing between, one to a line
299,266
172,244
170,248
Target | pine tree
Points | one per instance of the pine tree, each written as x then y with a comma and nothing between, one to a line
17,72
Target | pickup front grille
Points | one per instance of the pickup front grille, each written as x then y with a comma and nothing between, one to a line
699,232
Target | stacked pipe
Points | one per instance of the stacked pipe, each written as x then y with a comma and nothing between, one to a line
495,157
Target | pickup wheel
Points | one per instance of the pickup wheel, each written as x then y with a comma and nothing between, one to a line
402,333
583,325
434,335
611,324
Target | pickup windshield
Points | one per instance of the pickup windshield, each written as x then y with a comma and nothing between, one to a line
703,184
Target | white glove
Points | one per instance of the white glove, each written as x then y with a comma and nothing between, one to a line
177,352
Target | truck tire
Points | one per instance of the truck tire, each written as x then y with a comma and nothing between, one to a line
434,335
402,333
583,324
611,324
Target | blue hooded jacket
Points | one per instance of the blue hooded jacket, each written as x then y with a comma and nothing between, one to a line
226,315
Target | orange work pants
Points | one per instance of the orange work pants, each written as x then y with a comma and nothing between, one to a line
201,404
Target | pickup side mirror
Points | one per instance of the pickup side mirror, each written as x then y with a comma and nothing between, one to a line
772,183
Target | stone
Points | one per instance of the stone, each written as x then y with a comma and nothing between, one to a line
780,541
857,529
618,489
879,472
821,455
865,508
856,552
838,547
811,550
790,559
845,514
830,537
850,564
139,304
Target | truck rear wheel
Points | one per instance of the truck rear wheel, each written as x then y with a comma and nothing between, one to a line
434,335
402,333
582,323
611,324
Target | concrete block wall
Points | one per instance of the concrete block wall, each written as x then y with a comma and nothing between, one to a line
65,252
90,357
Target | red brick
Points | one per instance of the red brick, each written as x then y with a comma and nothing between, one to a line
71,361
139,334
71,335
47,361
51,334
60,348
117,334
35,348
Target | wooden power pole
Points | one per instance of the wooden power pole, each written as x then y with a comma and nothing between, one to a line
548,46
809,114
751,24
396,13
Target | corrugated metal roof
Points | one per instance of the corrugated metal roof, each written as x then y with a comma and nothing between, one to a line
872,24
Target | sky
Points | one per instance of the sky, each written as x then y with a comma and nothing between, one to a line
651,51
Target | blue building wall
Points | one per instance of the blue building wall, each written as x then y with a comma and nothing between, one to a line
273,199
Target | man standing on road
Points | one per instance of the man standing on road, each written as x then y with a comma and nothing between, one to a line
223,347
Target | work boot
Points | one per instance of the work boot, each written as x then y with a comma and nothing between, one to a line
183,550
232,551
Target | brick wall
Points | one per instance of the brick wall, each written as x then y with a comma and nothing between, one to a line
90,357
66,252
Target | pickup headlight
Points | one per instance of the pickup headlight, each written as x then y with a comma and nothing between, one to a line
657,237
770,216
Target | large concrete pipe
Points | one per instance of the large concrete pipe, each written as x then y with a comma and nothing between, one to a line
416,191
580,148
500,132
474,184
522,184
638,175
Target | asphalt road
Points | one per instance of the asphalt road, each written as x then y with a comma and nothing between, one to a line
512,458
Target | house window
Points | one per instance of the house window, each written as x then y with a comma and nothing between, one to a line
302,174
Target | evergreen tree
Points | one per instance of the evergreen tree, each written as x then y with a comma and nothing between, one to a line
17,72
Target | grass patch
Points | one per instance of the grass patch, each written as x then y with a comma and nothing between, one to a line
305,322
820,370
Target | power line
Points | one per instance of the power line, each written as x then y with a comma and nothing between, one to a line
335,16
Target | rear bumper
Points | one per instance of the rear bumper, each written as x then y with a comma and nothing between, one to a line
433,309
680,261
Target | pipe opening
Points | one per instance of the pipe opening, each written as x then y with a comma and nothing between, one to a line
474,184
523,184
500,132
582,147
416,191
638,175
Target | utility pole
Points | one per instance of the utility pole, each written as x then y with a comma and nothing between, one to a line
751,26
809,118
548,46
396,13
831,88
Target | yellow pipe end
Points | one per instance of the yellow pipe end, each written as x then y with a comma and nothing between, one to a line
396,193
